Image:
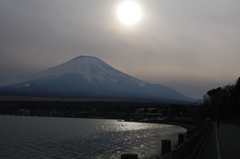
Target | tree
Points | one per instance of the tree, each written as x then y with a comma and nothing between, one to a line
236,93
226,100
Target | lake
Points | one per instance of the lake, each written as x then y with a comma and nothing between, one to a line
77,138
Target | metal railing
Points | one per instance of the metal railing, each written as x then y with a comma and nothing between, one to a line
190,149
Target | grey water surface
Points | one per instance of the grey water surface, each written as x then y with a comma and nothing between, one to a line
76,138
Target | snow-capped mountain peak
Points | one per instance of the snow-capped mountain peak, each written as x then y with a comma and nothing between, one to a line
89,67
87,77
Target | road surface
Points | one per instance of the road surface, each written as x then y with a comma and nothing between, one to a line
223,142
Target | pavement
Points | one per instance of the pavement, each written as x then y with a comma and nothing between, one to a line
223,142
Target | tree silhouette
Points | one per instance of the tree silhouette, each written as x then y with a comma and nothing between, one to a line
225,101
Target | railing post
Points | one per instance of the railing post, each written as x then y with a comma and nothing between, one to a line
129,156
166,147
181,139
190,133
191,146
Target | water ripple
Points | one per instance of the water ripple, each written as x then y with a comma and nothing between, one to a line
35,137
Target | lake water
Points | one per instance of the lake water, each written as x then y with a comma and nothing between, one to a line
61,138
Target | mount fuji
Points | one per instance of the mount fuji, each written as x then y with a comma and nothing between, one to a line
88,77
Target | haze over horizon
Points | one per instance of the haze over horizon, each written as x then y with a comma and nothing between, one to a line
190,46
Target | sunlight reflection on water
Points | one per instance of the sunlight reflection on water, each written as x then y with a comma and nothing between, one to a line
40,137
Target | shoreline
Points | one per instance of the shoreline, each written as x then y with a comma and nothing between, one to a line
189,125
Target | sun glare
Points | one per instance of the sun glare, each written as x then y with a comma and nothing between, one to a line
129,12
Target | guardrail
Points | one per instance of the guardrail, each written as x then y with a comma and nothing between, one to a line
192,148
189,149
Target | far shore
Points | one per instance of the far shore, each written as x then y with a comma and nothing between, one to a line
187,124
52,99
182,123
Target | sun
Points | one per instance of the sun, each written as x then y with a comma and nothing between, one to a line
129,12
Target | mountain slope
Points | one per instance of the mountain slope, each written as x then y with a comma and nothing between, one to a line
88,77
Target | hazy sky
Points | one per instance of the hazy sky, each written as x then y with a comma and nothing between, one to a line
190,46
